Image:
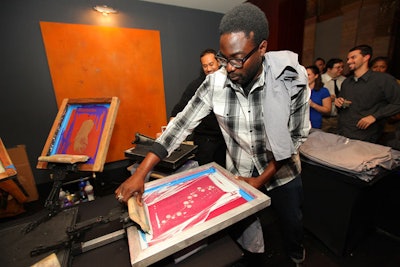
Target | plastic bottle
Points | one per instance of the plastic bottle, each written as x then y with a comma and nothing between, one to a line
61,197
67,199
82,194
89,191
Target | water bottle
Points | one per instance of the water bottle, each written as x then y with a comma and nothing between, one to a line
61,197
89,191
82,194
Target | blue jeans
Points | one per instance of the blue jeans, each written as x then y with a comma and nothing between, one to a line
286,201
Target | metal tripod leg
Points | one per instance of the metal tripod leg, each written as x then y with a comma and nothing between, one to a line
52,203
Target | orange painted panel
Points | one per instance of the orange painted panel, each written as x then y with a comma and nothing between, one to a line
98,61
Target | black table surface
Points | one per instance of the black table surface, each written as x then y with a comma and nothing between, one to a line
113,254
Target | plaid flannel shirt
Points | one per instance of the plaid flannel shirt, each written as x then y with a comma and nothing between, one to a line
241,121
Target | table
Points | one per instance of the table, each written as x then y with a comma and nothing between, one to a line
340,209
117,253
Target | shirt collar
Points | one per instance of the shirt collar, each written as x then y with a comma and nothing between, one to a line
282,64
259,82
364,77
329,77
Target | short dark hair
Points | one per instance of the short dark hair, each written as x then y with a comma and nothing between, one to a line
246,18
331,62
318,82
364,50
319,58
208,51
380,58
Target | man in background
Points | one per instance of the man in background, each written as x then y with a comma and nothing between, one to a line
320,63
332,79
207,135
366,98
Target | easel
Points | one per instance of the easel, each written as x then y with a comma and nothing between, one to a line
9,183
83,127
75,232
61,165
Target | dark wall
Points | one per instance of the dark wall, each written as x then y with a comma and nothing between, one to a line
28,104
286,23
395,47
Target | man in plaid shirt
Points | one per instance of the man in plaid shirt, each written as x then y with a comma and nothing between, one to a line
261,103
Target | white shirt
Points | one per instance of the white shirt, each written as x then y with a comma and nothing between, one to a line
330,85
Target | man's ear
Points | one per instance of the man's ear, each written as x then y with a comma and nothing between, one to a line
263,46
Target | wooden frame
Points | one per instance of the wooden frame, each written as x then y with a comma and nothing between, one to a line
82,127
7,168
187,237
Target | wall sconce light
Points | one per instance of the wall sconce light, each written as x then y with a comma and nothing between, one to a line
105,10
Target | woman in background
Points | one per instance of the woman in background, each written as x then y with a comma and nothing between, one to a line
381,64
320,100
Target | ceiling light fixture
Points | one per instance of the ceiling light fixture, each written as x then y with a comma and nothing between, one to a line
105,10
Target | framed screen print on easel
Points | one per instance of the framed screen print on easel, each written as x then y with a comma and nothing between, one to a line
82,127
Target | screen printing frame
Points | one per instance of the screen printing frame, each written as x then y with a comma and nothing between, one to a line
102,138
6,163
144,257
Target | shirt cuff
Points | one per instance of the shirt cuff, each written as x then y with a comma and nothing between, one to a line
159,150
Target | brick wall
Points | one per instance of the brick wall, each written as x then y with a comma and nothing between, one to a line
363,22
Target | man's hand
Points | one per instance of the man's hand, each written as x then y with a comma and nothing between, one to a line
253,181
340,102
133,186
258,182
365,122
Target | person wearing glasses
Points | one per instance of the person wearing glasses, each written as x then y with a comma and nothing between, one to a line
207,135
332,79
261,103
